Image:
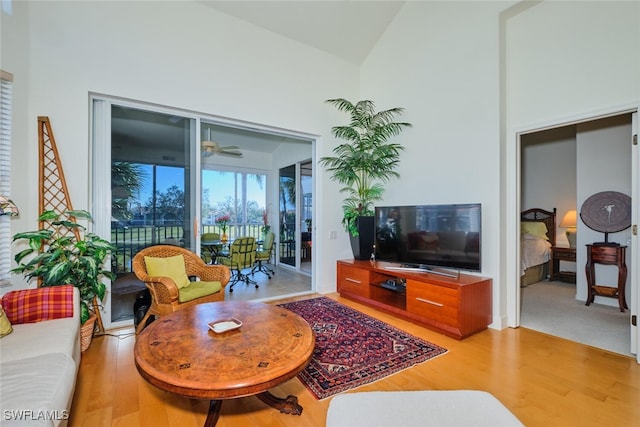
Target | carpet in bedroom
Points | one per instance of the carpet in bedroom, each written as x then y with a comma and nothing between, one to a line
552,308
353,349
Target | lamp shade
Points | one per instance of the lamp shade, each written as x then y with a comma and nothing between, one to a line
7,207
569,220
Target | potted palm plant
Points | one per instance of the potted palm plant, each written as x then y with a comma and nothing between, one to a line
363,164
66,254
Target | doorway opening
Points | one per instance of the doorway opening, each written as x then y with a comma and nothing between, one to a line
558,170
148,187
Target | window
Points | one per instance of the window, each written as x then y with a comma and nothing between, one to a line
6,81
241,195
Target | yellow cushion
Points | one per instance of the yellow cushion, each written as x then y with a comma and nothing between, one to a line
197,290
263,254
172,267
5,324
538,229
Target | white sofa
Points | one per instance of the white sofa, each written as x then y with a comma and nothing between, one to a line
38,367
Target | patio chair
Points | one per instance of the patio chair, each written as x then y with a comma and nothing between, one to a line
263,256
210,247
242,255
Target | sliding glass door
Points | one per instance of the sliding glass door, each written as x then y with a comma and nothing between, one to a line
151,197
287,216
306,216
162,176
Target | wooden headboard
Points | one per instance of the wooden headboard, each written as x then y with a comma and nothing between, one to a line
541,215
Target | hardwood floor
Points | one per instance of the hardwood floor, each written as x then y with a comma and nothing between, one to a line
543,380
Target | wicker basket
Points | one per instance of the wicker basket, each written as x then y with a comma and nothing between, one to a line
86,332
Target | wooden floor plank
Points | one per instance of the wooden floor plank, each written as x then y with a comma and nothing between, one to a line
543,380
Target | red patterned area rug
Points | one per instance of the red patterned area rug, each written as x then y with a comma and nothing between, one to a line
353,349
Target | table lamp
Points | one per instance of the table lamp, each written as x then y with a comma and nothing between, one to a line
569,222
7,207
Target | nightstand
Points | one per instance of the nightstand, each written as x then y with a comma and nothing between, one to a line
608,255
562,254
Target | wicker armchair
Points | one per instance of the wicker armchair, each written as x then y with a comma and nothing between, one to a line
164,291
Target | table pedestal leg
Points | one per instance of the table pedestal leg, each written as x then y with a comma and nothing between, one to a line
288,405
214,413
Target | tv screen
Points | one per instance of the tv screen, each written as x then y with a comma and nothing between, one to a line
429,235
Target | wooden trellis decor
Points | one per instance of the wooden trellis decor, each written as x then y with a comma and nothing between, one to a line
54,195
53,192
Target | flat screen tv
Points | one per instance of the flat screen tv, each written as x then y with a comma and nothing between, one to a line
426,236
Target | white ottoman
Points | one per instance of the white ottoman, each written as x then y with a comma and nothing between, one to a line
419,408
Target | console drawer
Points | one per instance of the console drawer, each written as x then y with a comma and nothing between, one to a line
435,302
354,280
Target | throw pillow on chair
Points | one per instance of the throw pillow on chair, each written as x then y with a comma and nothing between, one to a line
172,267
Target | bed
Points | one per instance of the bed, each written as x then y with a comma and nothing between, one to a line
537,236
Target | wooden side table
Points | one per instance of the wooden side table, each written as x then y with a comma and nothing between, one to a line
562,254
608,255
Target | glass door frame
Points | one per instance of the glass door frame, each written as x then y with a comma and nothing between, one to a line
298,221
99,107
100,176
283,222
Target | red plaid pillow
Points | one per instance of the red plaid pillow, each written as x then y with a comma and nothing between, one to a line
35,305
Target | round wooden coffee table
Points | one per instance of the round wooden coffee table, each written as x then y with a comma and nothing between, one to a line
180,354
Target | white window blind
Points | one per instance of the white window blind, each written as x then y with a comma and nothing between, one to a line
6,81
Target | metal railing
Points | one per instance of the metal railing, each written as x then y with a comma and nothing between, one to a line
129,240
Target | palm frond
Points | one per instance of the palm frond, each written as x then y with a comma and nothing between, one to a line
367,159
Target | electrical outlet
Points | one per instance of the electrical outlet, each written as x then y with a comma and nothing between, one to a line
333,235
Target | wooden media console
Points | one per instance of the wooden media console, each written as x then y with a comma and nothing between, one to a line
458,305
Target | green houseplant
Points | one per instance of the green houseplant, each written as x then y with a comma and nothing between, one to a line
63,258
364,162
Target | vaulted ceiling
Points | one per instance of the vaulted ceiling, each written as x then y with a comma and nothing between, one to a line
347,29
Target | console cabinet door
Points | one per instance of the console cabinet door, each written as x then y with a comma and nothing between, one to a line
437,303
354,280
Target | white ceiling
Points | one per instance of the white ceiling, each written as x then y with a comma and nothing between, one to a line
347,29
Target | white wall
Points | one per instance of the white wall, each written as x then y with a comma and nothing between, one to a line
179,54
567,58
604,164
440,60
564,62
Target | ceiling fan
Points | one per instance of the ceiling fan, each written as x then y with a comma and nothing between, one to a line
209,148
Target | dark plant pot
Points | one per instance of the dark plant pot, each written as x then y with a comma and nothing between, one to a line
362,244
